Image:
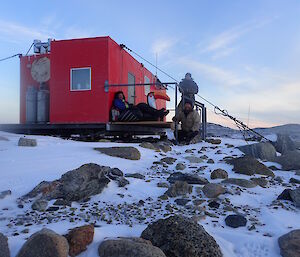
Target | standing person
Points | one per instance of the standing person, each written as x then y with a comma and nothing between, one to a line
188,89
190,122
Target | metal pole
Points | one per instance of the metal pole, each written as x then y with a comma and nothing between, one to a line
176,113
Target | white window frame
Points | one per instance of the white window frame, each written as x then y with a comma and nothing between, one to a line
147,89
81,68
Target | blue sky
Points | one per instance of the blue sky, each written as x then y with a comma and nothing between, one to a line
241,53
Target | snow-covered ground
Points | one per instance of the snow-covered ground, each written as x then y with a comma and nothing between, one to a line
22,168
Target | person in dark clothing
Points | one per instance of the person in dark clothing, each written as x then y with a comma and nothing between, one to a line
141,111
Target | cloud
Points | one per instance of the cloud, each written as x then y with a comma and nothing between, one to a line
161,46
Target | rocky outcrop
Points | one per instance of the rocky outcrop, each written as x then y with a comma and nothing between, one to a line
212,190
240,182
130,153
179,188
79,238
289,160
45,243
129,247
284,144
23,141
219,173
4,249
189,178
263,151
290,244
78,184
235,221
248,165
179,236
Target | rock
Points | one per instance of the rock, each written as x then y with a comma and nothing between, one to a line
23,141
4,249
3,138
182,201
130,153
262,182
79,238
290,244
240,182
248,165
148,145
210,161
284,144
163,184
178,236
168,160
78,184
195,140
52,208
180,166
194,159
214,204
179,188
291,195
135,175
62,202
164,147
263,151
289,160
212,190
235,221
129,247
292,180
5,193
219,173
45,243
214,141
39,205
189,178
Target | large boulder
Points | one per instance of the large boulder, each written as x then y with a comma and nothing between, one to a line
212,190
284,144
4,250
290,244
292,195
129,247
248,165
179,188
263,151
219,173
45,243
79,238
179,236
235,221
189,178
240,182
78,184
23,141
130,153
289,160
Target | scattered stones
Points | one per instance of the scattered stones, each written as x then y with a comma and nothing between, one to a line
284,144
235,221
214,141
45,243
4,249
262,150
129,153
135,175
248,165
180,166
23,141
189,178
289,160
5,193
290,244
179,188
240,182
219,173
79,238
178,236
129,247
212,190
39,205
168,160
194,159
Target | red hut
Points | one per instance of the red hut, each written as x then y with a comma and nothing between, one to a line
75,90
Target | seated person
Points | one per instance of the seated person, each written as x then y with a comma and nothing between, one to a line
140,112
190,122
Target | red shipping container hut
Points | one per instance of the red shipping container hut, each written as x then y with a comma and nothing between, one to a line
76,86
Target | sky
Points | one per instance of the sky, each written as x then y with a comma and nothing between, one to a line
244,55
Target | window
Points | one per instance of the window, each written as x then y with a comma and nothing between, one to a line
131,89
147,88
80,79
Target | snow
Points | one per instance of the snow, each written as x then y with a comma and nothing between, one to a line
22,168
